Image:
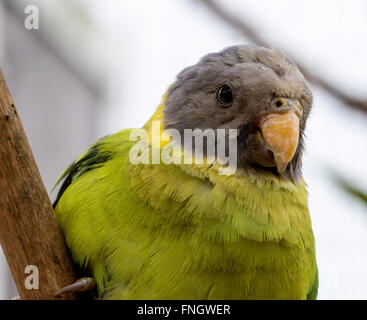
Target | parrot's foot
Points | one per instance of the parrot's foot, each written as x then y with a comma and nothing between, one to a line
16,298
81,285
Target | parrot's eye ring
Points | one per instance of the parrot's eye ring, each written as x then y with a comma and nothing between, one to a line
225,95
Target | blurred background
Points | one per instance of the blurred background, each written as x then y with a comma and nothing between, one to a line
94,67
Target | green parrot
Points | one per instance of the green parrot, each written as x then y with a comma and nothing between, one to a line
178,230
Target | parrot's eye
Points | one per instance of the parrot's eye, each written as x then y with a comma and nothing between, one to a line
225,95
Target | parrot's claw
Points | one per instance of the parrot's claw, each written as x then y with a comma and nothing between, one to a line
81,285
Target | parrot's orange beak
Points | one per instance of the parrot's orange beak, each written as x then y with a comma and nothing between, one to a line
280,131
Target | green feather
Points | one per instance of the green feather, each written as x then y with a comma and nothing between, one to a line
312,295
184,232
90,160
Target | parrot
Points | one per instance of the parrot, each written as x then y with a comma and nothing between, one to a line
188,231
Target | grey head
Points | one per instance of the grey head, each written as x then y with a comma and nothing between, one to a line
235,89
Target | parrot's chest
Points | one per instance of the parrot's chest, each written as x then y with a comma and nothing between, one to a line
222,261
230,238
247,269
240,269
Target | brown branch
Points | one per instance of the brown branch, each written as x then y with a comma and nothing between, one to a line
29,232
250,33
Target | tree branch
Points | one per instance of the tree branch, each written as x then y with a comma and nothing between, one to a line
250,33
29,232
